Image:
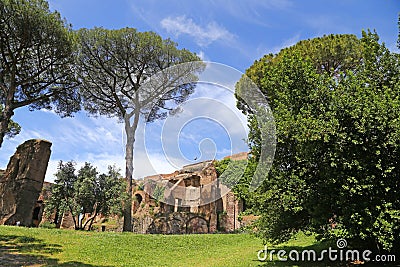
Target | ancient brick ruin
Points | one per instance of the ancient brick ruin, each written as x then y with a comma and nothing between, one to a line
191,200
22,182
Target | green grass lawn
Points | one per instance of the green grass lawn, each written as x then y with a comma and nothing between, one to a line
21,246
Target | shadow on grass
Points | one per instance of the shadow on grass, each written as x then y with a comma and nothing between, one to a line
317,247
16,251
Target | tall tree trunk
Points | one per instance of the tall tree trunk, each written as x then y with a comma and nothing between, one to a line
128,176
5,118
130,141
8,112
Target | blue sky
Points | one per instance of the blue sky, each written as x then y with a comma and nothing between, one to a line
229,32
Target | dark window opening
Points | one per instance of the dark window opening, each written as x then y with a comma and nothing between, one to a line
36,212
139,198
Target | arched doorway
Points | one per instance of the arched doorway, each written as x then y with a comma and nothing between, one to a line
197,225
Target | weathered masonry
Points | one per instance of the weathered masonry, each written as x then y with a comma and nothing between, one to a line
21,184
191,200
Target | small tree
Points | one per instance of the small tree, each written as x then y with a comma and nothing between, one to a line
62,197
99,194
36,61
86,192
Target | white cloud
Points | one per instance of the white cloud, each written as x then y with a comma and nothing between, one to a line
202,35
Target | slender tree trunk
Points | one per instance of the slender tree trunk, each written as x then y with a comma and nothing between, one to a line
130,141
80,220
90,221
76,226
128,177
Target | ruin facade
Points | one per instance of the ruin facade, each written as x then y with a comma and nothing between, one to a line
190,200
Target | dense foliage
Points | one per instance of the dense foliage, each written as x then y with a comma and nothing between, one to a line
86,192
237,175
36,61
336,104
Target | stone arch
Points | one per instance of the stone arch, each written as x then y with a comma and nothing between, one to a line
175,226
159,226
37,213
197,225
137,200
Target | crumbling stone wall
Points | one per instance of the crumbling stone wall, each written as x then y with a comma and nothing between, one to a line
194,202
22,182
229,219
